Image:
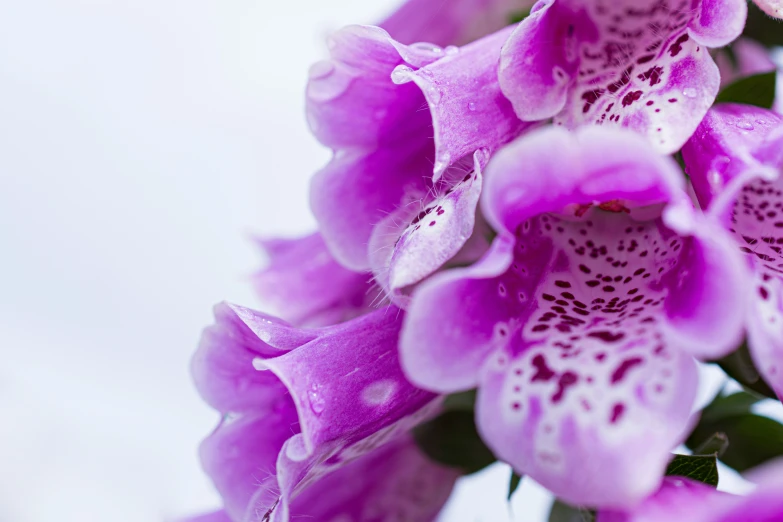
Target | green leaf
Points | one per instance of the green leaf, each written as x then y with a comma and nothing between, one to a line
723,406
739,366
518,16
452,439
703,468
463,401
758,90
763,28
562,512
754,439
513,483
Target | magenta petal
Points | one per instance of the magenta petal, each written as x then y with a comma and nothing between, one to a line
578,324
417,239
222,368
385,154
304,284
460,22
394,480
640,65
240,456
771,7
735,160
469,111
348,382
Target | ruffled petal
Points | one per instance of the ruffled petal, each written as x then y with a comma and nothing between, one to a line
305,285
578,324
773,8
735,160
222,367
458,23
420,237
394,482
469,111
385,154
640,65
241,454
348,383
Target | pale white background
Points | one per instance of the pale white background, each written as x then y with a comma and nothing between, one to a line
141,142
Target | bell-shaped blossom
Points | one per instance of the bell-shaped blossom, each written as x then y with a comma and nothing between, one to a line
405,123
457,22
735,160
304,285
315,421
578,325
640,64
684,499
773,8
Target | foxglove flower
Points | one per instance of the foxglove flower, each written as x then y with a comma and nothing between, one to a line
748,58
735,161
315,421
579,324
683,499
378,104
643,64
457,22
304,285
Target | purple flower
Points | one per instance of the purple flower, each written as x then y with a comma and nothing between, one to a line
683,499
579,324
389,179
748,58
304,285
454,23
771,7
315,422
640,64
735,159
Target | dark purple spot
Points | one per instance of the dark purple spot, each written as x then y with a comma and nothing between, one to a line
543,372
626,365
617,411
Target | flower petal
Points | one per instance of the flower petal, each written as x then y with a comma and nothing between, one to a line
222,367
577,325
417,239
461,22
773,8
348,383
632,64
384,151
217,516
735,160
304,284
241,453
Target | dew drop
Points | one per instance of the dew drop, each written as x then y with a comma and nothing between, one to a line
316,399
745,125
451,50
427,47
689,92
472,106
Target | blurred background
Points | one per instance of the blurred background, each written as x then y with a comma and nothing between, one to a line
141,145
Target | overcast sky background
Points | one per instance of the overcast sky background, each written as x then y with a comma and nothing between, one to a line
140,144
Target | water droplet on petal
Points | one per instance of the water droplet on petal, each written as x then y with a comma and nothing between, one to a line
316,399
472,106
451,50
745,125
689,92
427,47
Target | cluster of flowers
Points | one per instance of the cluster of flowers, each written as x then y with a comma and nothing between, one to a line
502,212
